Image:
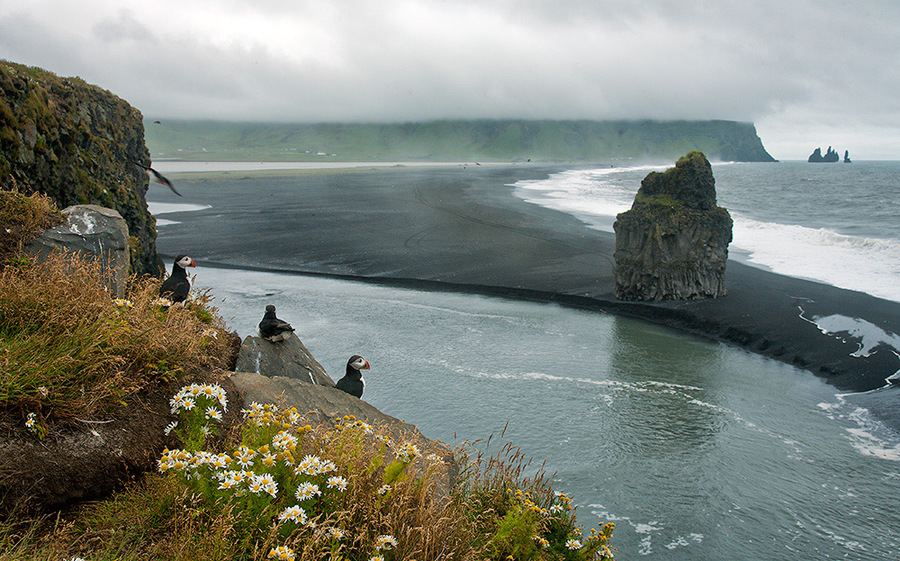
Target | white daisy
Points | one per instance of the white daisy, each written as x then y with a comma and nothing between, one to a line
337,482
294,514
407,452
170,427
282,553
307,491
336,533
385,542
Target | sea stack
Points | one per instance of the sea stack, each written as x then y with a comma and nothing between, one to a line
673,243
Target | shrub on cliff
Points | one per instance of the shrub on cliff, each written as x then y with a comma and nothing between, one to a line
22,218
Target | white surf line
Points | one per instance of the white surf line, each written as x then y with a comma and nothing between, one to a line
868,335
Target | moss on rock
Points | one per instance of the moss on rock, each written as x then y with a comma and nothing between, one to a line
673,243
76,143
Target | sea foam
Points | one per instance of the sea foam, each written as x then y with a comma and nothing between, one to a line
866,264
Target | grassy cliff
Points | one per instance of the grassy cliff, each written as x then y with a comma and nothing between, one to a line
480,140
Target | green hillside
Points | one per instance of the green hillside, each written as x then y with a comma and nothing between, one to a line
481,140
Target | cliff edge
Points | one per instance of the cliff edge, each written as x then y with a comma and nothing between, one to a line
76,143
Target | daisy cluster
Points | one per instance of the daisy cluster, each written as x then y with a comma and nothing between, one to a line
351,422
282,469
163,302
196,405
385,542
407,452
123,304
199,394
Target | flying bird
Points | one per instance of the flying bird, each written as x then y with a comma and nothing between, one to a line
273,329
353,382
177,286
160,178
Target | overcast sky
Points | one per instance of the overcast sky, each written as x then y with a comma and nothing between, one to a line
806,73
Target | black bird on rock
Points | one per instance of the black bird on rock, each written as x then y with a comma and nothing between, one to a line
160,178
177,286
273,329
353,382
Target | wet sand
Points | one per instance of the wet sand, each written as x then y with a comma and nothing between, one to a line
461,228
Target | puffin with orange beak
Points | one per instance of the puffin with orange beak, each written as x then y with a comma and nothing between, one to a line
177,286
353,382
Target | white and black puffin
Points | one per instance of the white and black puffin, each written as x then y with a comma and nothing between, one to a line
353,382
177,286
273,329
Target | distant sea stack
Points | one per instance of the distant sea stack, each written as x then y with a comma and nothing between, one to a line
76,143
830,156
673,243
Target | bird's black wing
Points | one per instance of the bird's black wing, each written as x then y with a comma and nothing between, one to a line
160,178
176,289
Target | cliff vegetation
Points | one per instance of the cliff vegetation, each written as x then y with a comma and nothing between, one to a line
76,143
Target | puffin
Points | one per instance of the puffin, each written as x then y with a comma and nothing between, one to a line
353,382
177,286
160,178
273,329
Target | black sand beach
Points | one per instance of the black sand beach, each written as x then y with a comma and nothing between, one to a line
462,229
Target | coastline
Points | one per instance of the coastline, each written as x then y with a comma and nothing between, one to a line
462,229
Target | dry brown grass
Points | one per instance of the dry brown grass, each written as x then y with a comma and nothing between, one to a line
22,218
67,348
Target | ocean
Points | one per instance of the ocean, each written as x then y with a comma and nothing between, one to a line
698,451
836,224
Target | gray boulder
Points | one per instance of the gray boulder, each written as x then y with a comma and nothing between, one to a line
673,243
290,359
95,231
329,405
328,402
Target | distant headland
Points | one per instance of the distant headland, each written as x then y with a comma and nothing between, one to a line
459,140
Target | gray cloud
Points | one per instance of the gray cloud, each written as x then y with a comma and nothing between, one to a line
796,69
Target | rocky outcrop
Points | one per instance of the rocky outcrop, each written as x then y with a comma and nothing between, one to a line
328,405
328,402
95,231
830,156
76,143
289,358
673,243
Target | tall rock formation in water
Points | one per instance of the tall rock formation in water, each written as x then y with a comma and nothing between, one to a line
673,243
830,156
76,143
